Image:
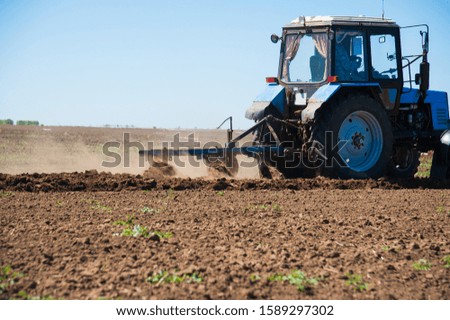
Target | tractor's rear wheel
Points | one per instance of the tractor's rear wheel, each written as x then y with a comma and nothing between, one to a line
356,137
404,162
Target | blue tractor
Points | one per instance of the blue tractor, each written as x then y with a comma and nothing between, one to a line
342,107
344,104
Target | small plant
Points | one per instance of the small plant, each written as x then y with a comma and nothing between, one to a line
8,277
254,278
166,277
129,221
163,235
421,265
446,261
25,296
385,248
276,208
4,194
146,210
356,281
170,194
59,203
221,193
135,231
296,278
95,204
141,231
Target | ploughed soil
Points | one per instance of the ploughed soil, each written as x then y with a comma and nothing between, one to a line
137,233
65,236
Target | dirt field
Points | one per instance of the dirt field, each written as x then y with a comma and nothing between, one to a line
130,235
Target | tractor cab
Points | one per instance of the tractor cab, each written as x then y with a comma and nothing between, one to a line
354,51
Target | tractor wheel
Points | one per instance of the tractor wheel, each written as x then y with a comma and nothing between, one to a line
356,138
440,166
404,162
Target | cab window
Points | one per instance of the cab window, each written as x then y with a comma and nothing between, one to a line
384,56
350,63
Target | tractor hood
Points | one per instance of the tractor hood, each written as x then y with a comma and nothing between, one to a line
273,95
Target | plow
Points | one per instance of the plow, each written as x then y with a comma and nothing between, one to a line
344,104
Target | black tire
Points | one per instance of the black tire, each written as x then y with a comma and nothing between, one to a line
404,162
356,137
440,166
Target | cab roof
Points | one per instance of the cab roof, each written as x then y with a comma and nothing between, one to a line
317,21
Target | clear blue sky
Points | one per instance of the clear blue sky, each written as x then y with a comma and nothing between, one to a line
165,63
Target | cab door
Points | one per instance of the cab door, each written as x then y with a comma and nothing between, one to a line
385,65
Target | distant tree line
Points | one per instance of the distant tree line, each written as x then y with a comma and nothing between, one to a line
20,122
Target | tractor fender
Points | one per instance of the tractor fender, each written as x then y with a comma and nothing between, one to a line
273,95
326,92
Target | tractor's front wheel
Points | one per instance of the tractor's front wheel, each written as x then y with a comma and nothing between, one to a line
440,166
355,136
404,162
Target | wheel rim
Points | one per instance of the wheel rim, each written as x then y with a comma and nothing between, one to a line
363,141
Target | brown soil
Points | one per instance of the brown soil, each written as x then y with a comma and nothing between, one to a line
62,231
235,234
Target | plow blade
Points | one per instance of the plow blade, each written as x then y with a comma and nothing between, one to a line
251,151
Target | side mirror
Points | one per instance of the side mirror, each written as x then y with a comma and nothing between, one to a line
417,79
274,38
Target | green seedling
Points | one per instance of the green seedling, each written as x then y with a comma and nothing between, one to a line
254,278
59,203
25,296
385,248
128,222
8,278
135,231
221,193
356,281
4,194
421,265
446,261
140,231
146,210
166,277
296,278
163,235
170,194
95,204
276,208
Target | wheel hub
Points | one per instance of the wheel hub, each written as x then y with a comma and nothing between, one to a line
363,138
358,140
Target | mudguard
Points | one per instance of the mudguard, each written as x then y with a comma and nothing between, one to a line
324,93
273,95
